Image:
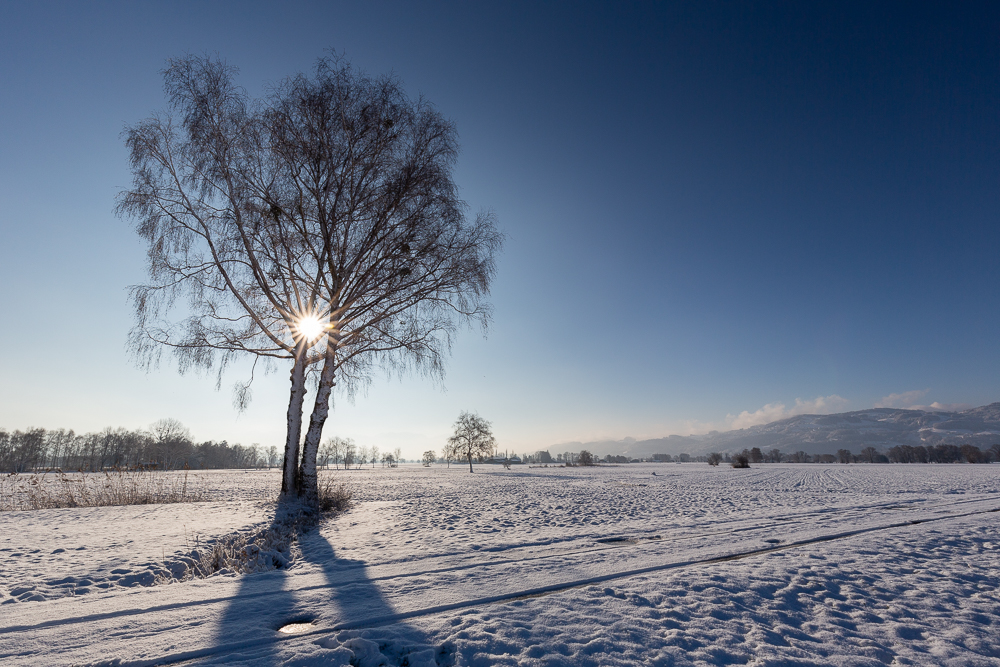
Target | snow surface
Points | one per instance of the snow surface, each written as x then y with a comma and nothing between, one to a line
659,564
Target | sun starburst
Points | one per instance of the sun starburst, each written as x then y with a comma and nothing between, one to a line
310,327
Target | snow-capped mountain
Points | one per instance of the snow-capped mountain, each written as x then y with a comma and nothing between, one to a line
824,434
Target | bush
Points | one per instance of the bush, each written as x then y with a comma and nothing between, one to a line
741,460
333,498
714,459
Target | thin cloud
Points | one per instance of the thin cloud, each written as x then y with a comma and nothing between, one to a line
906,400
943,407
821,405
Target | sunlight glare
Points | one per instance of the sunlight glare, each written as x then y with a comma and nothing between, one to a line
311,327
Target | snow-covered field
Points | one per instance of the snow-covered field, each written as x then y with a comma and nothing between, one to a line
658,564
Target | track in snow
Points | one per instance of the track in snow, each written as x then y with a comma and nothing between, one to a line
606,543
199,654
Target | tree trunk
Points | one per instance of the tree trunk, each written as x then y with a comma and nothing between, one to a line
289,480
308,481
470,462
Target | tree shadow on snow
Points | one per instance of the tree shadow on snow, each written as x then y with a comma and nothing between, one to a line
339,618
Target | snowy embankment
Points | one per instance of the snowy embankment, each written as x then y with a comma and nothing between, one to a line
661,564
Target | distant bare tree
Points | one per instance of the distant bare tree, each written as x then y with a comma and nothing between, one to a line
756,455
844,456
585,458
741,460
172,441
318,226
994,451
473,438
869,454
348,453
327,452
973,454
22,451
714,459
429,457
338,449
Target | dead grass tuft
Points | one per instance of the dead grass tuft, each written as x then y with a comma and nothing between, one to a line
333,497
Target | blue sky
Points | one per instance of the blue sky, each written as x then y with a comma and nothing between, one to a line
717,214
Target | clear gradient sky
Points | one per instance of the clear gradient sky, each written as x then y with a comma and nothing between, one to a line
717,214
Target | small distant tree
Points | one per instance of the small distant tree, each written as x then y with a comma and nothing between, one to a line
775,456
172,444
714,459
586,458
973,454
473,438
349,453
741,460
994,452
338,448
844,456
756,455
869,454
429,457
543,456
325,454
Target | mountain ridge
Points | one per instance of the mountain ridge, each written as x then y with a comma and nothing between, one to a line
881,428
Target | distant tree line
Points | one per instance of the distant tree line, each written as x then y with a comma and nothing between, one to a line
898,454
940,453
167,445
345,453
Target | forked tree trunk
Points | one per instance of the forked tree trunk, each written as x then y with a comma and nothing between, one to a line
308,481
289,472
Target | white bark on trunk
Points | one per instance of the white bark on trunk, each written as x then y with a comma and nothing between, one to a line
289,480
308,480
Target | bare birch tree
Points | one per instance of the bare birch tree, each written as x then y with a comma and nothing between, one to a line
318,226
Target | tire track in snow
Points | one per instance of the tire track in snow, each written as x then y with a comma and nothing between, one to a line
199,654
616,545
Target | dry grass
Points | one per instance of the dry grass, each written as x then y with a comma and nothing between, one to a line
49,490
272,548
269,549
333,497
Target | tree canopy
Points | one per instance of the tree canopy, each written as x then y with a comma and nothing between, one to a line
318,225
473,437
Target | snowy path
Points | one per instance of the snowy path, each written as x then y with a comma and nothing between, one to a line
362,585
